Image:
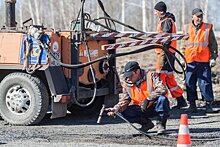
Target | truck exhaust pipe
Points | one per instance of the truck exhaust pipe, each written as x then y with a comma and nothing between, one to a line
10,13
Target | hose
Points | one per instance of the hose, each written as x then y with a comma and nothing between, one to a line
168,53
128,26
107,21
89,58
111,56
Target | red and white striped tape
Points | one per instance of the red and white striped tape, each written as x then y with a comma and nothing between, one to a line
144,42
138,35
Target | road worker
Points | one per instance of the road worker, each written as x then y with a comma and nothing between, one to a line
143,98
166,24
201,51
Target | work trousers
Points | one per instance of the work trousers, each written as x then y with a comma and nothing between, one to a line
201,72
166,75
160,108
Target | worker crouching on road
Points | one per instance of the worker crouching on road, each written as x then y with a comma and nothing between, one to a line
201,51
143,98
166,24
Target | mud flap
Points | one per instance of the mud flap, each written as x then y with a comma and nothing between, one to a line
58,109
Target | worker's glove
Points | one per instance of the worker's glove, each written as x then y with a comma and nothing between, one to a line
144,104
112,111
212,62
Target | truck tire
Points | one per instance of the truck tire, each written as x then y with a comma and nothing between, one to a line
23,99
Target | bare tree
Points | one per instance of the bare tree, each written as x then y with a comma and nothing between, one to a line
37,11
183,13
63,13
206,4
52,13
123,13
144,15
31,11
20,14
139,14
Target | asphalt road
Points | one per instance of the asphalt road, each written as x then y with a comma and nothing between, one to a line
84,131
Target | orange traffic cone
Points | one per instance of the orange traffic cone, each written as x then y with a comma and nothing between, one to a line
184,136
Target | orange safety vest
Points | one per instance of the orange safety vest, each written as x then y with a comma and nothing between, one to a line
159,30
197,45
138,95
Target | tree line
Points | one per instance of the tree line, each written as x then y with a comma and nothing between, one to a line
139,13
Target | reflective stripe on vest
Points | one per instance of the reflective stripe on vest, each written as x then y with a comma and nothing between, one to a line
205,43
197,45
164,71
159,30
138,95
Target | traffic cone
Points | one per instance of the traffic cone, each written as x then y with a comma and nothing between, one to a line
183,135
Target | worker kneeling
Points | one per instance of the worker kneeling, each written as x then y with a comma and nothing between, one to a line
143,98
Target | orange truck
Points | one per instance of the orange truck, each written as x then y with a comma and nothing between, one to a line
45,70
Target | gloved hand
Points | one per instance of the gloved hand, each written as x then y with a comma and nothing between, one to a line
144,104
212,62
112,111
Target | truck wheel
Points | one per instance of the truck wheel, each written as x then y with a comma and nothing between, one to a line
23,99
91,109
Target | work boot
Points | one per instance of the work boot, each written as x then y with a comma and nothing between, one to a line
208,107
146,124
181,102
192,107
161,125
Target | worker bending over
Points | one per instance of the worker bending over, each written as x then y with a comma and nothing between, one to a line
143,98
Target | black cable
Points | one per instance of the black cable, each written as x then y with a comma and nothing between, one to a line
108,57
168,53
128,26
181,55
107,21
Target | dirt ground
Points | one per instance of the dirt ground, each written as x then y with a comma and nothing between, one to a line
83,131
112,132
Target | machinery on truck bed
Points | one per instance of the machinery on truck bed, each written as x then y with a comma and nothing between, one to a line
31,80
43,69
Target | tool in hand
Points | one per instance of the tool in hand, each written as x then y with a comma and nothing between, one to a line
100,114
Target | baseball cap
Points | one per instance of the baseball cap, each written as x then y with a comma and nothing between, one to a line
197,12
130,67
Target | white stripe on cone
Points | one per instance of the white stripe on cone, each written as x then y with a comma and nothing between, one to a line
183,129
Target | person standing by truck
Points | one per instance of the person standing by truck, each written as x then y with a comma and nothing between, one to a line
201,51
166,24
